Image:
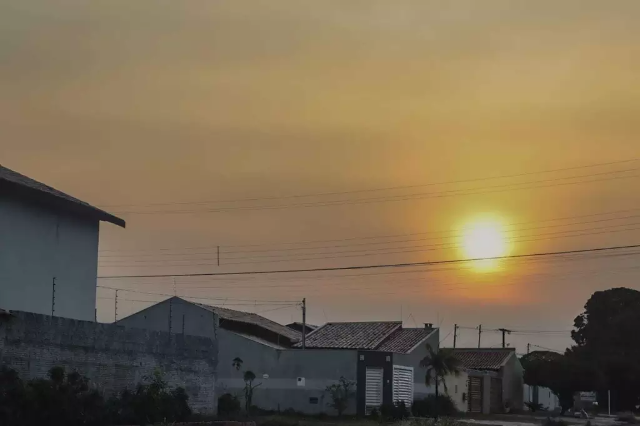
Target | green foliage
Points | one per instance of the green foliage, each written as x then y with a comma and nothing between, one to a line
340,394
429,406
394,412
228,405
534,406
67,400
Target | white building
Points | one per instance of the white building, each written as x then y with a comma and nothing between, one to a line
47,236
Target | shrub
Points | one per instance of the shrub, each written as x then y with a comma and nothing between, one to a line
427,407
228,405
534,406
397,411
340,394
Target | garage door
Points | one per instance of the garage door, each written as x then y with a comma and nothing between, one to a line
403,384
373,388
475,394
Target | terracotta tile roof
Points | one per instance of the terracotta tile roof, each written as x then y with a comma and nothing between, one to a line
350,335
483,359
251,318
403,340
9,178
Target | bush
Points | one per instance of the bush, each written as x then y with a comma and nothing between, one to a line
67,400
427,407
397,411
627,418
228,405
555,422
534,406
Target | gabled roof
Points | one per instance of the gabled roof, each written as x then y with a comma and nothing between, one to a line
405,339
28,188
299,325
483,359
382,336
250,318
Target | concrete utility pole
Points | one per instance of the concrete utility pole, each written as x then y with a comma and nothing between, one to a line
504,331
455,335
479,334
53,297
218,255
115,308
304,323
528,347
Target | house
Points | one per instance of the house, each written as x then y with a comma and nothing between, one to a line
388,367
380,359
542,396
48,249
298,326
495,379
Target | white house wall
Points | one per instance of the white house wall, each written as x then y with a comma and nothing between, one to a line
38,244
413,358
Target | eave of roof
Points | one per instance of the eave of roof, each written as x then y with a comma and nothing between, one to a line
29,188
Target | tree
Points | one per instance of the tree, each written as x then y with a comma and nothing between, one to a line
248,377
439,365
340,394
605,339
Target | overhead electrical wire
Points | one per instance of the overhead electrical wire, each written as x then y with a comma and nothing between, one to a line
393,188
405,197
379,266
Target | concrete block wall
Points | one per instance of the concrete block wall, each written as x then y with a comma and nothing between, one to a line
111,356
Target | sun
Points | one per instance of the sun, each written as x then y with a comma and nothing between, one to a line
484,240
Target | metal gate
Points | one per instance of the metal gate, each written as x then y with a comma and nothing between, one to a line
496,395
403,384
475,394
373,389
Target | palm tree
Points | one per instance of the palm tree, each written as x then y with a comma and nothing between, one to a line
439,364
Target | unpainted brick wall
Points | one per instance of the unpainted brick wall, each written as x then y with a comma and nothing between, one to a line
111,356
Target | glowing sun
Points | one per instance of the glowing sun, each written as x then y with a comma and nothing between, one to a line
484,240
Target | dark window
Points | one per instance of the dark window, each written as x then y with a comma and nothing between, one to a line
313,400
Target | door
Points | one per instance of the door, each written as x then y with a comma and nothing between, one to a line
475,394
403,385
373,388
496,395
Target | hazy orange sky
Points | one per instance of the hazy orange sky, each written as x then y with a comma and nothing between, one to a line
143,102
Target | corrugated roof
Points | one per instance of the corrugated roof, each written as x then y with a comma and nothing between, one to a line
350,335
251,318
483,359
403,340
17,180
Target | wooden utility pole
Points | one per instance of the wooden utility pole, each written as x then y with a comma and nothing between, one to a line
455,335
479,334
528,347
504,332
115,308
304,323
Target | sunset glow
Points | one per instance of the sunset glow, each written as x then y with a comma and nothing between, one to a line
484,240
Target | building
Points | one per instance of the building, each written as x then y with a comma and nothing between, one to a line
380,359
543,396
48,249
388,367
495,379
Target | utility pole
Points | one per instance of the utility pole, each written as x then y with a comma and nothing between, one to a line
170,314
218,255
504,331
455,335
304,323
479,334
53,297
528,347
115,308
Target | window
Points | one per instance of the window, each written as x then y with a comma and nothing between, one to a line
313,400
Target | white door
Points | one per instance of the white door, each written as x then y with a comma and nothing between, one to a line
403,385
373,388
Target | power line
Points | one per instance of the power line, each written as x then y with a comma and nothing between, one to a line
406,197
393,188
361,253
394,265
252,301
288,243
